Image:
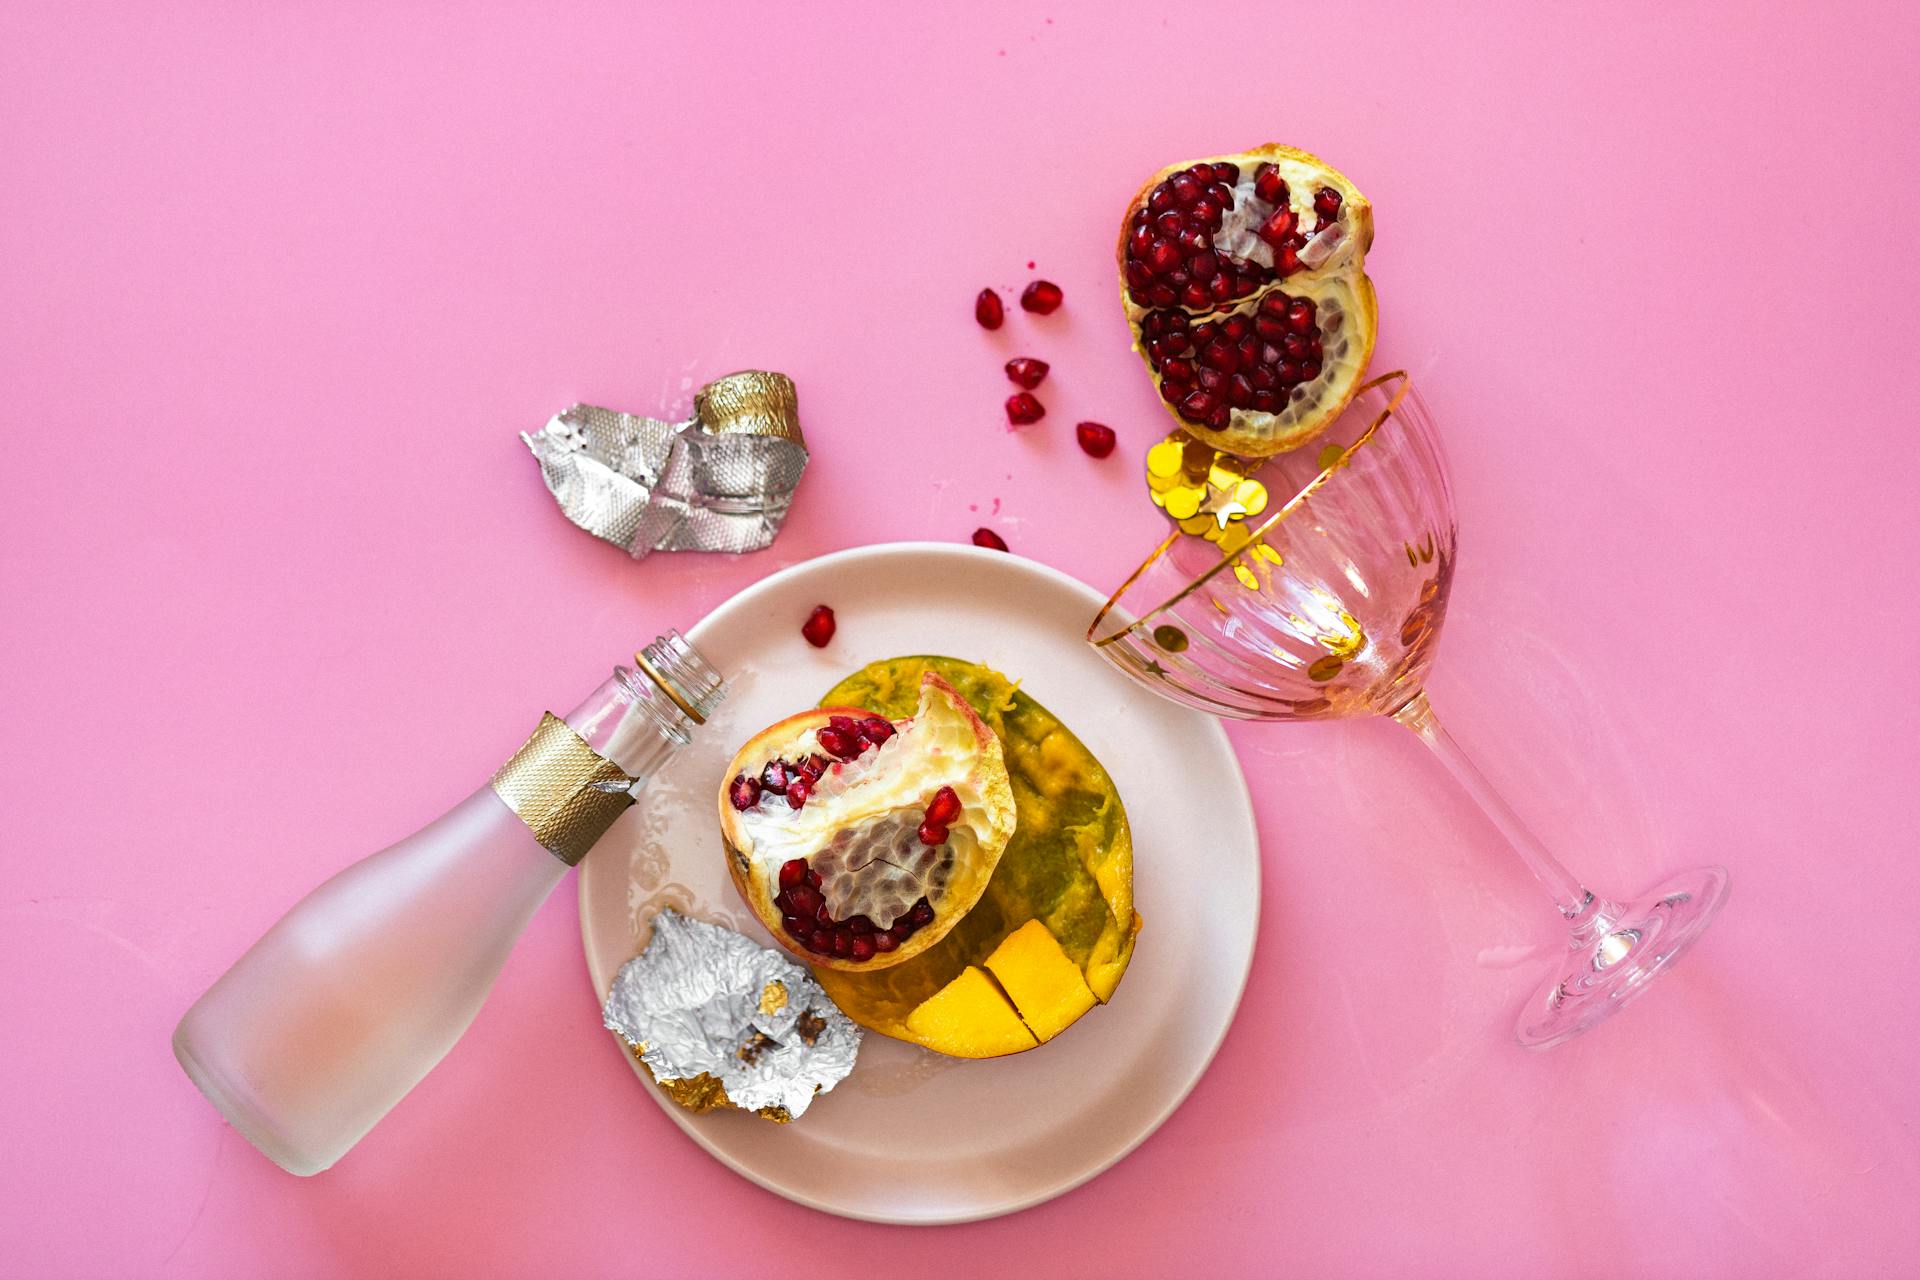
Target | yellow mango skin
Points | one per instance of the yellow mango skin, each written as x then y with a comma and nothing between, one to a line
1045,986
1069,864
971,1019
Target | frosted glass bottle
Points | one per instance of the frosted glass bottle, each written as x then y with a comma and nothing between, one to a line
358,991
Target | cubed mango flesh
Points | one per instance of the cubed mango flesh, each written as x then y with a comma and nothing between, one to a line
969,1018
1044,985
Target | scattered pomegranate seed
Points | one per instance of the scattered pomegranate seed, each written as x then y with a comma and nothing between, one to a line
797,792
744,792
1042,297
987,309
1096,439
793,873
819,626
1326,204
1027,372
1023,409
989,539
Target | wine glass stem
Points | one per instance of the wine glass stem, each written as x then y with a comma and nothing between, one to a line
1569,895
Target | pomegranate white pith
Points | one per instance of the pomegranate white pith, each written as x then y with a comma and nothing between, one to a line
1244,281
858,841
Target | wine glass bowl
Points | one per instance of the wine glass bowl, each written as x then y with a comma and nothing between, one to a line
1331,605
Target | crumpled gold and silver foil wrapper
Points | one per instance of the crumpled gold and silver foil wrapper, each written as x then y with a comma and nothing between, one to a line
719,1020
720,481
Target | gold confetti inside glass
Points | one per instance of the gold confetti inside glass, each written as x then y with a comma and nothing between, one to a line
1329,604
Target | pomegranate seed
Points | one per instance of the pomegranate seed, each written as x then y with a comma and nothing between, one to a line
813,877
1326,203
785,903
944,807
1096,439
859,925
819,626
1197,407
932,832
744,792
902,928
1027,372
860,948
797,927
775,777
885,942
845,724
876,730
842,943
822,916
1300,315
922,914
989,539
1269,185
1226,171
1164,256
1186,187
797,792
1022,409
987,309
805,899
821,943
1277,227
1042,297
793,873
844,745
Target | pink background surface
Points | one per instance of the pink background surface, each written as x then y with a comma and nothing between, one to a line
278,583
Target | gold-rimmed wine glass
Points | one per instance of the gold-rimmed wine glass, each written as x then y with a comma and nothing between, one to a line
1331,605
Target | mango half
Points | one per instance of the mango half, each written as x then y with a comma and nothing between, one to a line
1053,932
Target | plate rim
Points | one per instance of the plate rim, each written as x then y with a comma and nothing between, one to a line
1244,814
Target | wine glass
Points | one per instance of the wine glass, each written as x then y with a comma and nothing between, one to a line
1331,606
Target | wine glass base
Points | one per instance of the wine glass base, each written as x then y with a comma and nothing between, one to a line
1616,953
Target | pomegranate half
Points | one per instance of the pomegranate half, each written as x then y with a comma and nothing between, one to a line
861,841
1244,281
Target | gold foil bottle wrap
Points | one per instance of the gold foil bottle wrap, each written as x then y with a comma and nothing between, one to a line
565,792
720,481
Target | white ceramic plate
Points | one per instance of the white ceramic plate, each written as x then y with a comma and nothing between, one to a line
912,1136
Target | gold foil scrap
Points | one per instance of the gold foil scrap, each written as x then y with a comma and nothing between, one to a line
718,1020
720,481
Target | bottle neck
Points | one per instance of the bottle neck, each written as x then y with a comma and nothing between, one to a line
630,722
641,715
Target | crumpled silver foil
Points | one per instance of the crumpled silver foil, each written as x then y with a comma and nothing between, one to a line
720,481
705,1001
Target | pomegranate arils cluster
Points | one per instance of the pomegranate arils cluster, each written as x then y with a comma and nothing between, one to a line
1215,352
805,918
843,738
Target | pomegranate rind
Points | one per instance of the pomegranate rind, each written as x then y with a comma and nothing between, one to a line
1343,277
1069,866
967,756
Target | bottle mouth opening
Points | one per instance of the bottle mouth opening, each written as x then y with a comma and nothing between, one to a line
680,671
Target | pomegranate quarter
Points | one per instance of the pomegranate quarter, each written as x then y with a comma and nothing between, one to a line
1244,281
860,841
